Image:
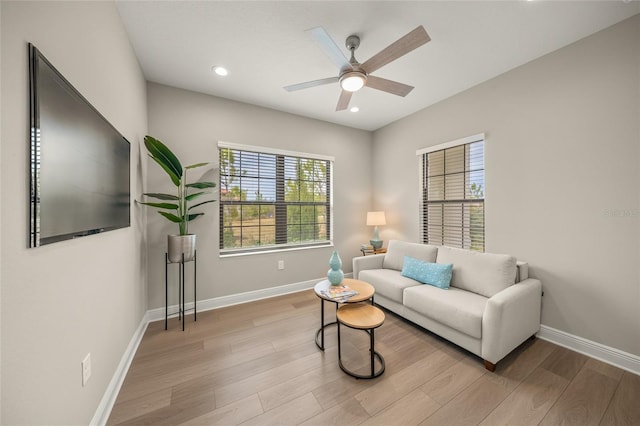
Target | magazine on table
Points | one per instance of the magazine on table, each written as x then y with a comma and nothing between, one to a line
339,293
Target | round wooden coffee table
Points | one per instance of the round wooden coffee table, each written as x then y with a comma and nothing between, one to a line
364,317
365,292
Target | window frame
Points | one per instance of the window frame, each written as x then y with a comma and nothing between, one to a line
279,202
423,188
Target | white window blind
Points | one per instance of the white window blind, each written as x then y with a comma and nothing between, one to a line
273,199
452,190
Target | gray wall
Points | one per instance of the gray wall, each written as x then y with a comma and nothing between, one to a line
192,124
64,300
562,170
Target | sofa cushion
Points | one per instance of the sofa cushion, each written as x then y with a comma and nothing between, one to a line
459,309
482,273
387,282
397,250
436,274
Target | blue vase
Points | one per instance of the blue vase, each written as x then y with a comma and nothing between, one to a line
335,274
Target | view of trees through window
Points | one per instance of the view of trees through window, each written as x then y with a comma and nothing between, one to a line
268,200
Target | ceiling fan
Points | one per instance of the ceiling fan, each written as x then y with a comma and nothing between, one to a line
354,75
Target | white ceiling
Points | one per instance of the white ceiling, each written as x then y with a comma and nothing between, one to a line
265,47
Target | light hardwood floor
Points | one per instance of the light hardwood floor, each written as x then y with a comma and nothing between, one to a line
257,364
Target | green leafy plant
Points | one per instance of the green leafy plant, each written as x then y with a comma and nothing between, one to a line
176,208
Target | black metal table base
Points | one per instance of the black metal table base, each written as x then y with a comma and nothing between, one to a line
320,332
372,353
181,304
320,335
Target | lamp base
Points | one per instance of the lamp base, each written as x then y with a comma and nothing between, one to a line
376,244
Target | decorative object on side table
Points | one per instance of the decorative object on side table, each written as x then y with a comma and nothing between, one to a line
175,208
335,274
368,249
376,219
339,293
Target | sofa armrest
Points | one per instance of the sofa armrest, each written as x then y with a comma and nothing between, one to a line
511,317
366,262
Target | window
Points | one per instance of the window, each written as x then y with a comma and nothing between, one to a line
452,192
272,199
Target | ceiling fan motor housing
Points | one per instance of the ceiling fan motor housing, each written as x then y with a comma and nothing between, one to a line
353,42
353,78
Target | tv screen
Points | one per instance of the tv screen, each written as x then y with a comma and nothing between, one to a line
80,172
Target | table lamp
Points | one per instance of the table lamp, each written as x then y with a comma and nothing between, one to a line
376,219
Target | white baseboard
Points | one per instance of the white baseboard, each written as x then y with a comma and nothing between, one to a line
613,356
111,393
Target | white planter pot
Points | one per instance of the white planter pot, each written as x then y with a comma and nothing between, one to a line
179,244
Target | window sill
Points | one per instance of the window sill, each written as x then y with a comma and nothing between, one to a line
249,252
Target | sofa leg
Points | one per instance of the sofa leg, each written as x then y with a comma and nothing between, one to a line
489,366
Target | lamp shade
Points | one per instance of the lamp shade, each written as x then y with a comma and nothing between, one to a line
376,219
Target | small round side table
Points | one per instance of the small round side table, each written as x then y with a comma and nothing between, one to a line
364,317
365,292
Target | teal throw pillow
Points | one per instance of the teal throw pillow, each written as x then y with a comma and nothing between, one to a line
435,274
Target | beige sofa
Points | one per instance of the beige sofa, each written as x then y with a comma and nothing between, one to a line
490,308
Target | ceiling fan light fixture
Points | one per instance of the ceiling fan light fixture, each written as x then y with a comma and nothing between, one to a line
353,81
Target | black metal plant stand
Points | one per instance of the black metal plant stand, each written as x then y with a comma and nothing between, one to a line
181,309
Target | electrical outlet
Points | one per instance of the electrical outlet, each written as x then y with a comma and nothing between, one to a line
86,369
280,265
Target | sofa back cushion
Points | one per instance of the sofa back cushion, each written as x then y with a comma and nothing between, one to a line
481,273
397,250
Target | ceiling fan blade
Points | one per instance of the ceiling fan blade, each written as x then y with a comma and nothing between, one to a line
388,86
398,48
343,101
308,84
330,48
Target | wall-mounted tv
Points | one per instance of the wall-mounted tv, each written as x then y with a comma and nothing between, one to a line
80,164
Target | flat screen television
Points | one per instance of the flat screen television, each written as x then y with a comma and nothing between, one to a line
80,164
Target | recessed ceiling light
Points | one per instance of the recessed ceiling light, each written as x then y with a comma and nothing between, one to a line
221,71
354,109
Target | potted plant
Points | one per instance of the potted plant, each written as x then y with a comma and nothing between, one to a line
176,208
